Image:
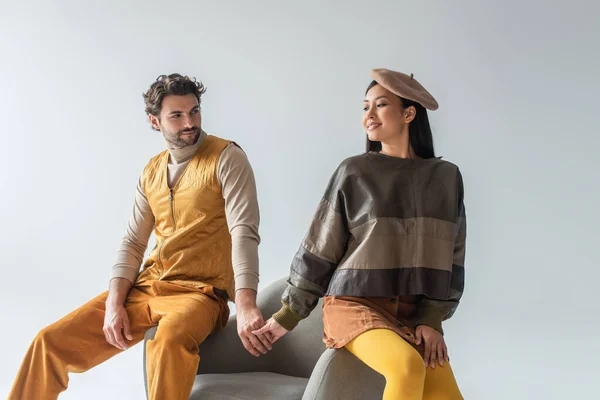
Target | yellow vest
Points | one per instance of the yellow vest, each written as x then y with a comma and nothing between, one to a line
193,244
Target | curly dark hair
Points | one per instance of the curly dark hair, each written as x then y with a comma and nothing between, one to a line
173,84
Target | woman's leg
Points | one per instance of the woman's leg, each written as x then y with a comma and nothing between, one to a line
390,355
440,384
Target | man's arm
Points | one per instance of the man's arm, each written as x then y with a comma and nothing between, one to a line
243,218
133,245
125,271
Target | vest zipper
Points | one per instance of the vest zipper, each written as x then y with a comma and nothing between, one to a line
173,217
172,210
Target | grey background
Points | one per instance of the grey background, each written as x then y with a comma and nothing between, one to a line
516,82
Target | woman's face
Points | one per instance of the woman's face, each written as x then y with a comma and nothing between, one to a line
384,118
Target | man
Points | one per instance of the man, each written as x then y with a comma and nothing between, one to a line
199,196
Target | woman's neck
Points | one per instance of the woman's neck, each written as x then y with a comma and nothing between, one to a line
399,148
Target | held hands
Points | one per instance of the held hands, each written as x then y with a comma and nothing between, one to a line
273,330
435,346
249,319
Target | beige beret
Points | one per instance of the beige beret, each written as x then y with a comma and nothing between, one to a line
404,86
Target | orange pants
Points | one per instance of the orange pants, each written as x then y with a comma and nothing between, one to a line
185,317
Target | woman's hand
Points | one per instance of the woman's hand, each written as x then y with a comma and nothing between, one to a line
272,330
435,346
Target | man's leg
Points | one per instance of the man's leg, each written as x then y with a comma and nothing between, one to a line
185,318
75,343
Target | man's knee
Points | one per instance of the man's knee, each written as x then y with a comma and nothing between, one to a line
173,336
46,335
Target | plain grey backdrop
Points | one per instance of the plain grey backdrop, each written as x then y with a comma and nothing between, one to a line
517,83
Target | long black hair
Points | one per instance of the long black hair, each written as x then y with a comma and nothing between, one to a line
419,131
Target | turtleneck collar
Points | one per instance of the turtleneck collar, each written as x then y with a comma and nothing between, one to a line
178,156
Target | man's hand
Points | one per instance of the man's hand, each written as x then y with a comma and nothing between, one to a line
116,321
435,346
116,325
249,318
273,330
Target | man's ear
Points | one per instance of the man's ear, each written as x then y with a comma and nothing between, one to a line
154,121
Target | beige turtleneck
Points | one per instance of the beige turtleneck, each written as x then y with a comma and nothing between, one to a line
241,209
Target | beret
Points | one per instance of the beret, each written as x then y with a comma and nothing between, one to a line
404,86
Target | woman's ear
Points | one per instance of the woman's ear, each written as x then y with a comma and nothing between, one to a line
409,114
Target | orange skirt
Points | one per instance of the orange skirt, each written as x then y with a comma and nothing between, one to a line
344,318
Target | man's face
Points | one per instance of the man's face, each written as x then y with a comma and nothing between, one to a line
179,120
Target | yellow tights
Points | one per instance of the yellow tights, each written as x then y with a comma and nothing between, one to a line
403,368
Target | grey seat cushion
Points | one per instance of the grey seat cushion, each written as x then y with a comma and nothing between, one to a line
248,386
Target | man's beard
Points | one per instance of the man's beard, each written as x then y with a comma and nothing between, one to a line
178,142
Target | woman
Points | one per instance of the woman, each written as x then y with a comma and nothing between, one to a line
386,248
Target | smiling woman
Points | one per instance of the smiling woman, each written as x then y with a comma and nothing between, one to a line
420,136
386,249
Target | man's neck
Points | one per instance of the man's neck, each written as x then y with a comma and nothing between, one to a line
178,156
